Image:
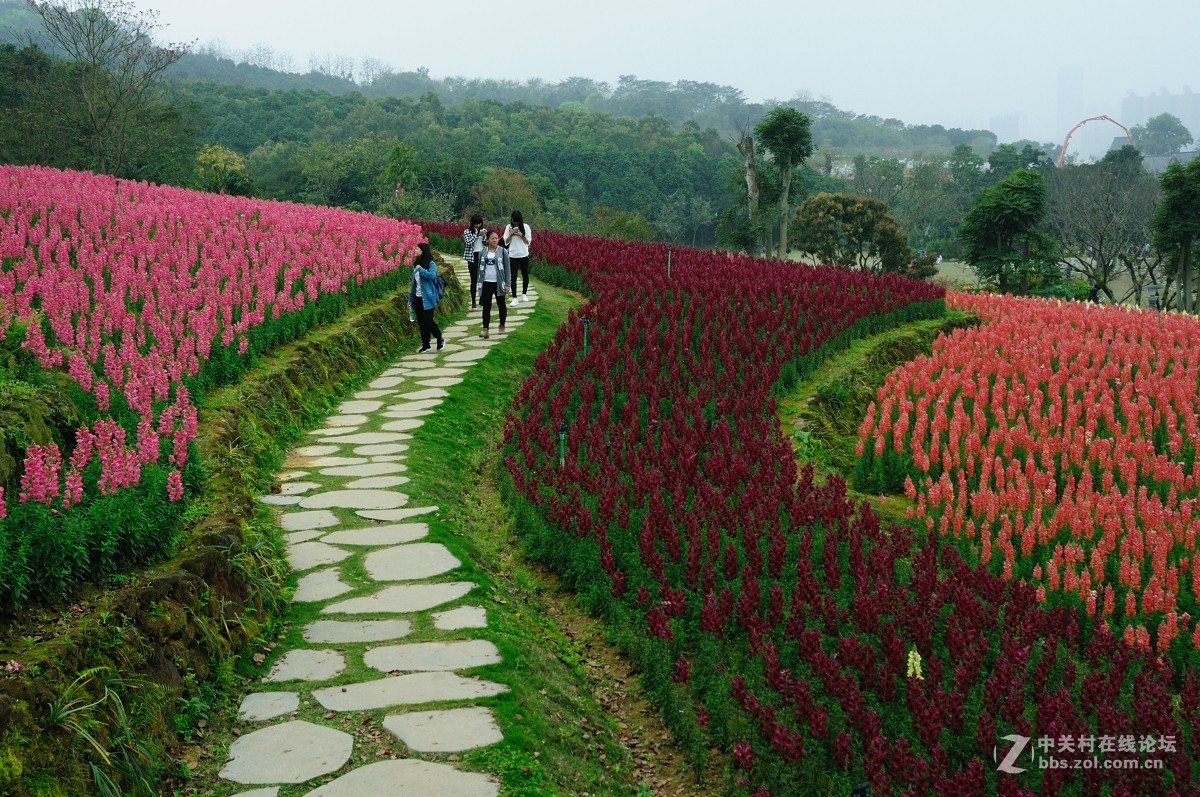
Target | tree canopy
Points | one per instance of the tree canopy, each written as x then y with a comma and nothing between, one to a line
852,231
1161,135
786,134
1000,234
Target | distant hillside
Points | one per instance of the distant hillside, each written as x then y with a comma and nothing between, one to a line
723,108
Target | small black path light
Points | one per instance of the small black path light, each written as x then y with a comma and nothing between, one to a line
668,262
562,445
587,321
861,790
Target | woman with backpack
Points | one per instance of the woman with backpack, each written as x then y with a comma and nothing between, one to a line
423,297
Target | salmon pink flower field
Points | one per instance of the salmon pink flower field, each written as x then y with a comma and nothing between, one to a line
1057,443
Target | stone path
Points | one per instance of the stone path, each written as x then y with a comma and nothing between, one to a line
357,540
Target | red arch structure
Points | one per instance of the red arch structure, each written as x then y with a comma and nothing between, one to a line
1062,153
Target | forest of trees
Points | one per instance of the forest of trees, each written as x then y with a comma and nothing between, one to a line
641,159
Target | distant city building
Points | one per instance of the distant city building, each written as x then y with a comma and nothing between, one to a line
1007,127
1137,110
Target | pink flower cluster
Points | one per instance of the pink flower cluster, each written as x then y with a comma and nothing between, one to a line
132,289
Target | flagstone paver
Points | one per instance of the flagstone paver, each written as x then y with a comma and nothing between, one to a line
391,534
334,462
410,562
340,503
420,395
359,406
302,521
261,706
450,731
380,449
356,499
316,451
322,585
402,598
407,413
413,689
395,514
296,488
460,618
416,404
279,500
346,420
375,437
409,778
289,753
376,483
308,555
402,425
307,665
334,632
366,469
444,372
462,654
466,356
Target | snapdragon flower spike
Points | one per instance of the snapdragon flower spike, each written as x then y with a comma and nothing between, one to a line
1060,437
132,299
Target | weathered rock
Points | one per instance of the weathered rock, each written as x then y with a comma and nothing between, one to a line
449,731
261,706
461,654
402,598
289,753
410,562
333,632
409,777
404,690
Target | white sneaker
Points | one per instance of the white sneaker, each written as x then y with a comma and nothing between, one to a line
514,301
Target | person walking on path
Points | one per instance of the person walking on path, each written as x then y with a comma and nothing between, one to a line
422,297
517,237
494,270
474,237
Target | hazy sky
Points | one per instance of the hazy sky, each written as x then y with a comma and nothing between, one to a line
951,62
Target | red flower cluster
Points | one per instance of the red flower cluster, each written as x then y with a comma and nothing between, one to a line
788,616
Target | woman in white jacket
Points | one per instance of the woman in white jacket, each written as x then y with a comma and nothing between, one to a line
517,237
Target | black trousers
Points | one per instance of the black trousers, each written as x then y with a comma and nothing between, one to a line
429,327
491,289
473,268
520,264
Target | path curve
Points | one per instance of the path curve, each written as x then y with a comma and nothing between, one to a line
357,540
